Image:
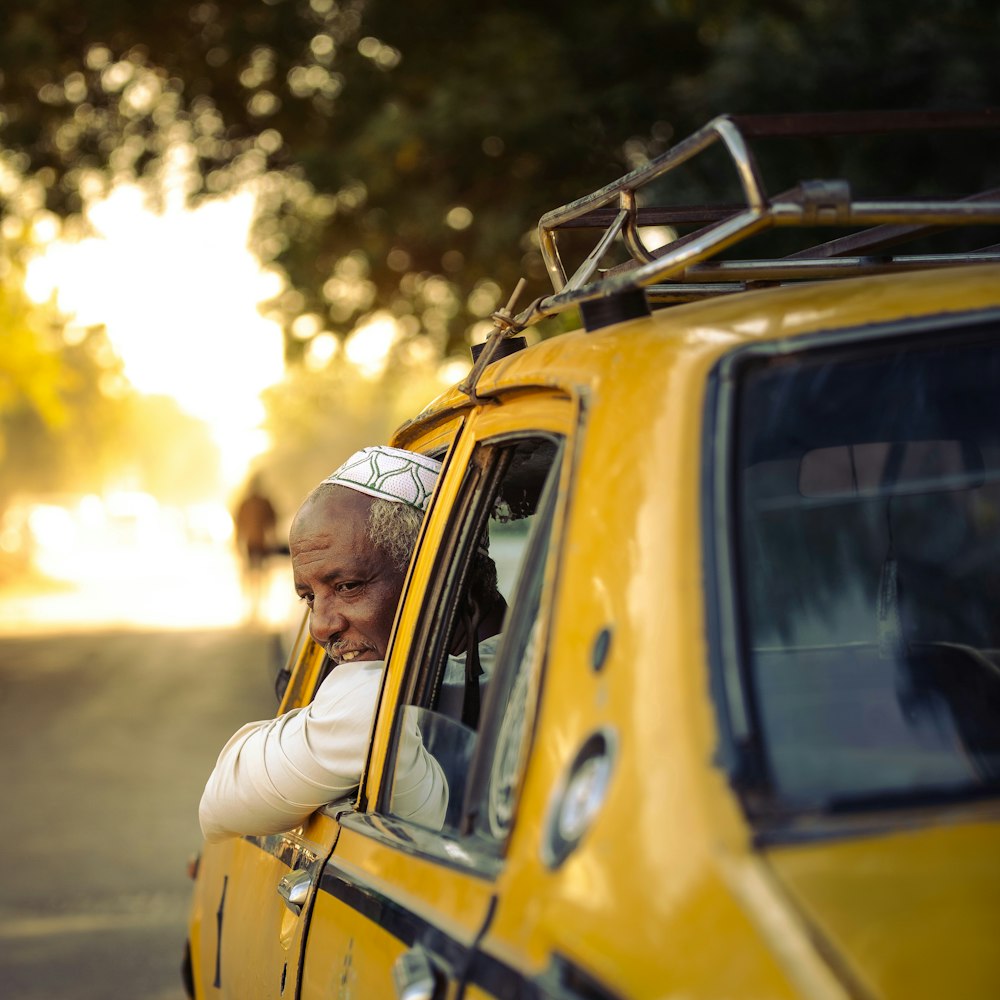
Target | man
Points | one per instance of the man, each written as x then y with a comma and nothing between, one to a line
254,522
350,544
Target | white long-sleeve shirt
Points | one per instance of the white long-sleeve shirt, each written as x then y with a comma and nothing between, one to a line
274,773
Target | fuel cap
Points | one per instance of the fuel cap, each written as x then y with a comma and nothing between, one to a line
579,797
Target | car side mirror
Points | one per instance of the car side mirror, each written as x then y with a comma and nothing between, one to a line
281,680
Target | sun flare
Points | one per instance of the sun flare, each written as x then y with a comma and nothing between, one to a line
178,293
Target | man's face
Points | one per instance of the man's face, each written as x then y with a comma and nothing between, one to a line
350,586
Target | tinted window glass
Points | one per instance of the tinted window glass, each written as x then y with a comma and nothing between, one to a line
472,714
869,547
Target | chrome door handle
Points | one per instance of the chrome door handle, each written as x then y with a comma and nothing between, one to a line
413,976
294,889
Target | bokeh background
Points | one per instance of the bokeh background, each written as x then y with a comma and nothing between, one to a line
247,236
240,239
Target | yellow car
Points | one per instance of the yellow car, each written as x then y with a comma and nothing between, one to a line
742,736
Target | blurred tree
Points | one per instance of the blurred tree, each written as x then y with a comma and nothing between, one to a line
386,150
317,418
58,395
70,421
402,156
163,450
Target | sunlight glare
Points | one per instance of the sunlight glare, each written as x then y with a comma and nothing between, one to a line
128,560
369,346
178,294
452,370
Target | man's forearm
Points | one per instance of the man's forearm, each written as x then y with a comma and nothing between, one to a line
271,775
256,787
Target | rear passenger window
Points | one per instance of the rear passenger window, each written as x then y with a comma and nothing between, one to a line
868,496
472,699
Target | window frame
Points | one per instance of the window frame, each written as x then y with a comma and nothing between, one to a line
538,548
526,412
427,657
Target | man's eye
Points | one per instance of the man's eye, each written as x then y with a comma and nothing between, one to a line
307,598
350,586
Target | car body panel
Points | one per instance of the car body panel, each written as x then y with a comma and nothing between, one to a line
648,399
236,909
912,912
379,894
670,891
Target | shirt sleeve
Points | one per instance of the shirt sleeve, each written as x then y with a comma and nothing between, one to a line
419,786
272,774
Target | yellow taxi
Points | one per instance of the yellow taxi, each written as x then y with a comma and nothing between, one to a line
742,737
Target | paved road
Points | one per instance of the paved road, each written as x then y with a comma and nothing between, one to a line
106,739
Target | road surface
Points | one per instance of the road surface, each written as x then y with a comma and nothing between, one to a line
106,738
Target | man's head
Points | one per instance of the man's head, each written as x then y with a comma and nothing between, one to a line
351,542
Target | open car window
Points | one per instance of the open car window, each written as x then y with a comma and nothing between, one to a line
471,698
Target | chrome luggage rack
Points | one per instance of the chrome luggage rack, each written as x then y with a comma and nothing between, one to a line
682,269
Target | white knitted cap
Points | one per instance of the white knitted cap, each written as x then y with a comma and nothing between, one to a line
390,474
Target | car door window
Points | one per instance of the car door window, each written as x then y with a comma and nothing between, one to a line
470,699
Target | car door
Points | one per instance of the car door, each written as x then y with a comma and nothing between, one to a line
253,894
244,936
400,907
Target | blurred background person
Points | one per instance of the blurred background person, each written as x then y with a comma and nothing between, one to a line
255,521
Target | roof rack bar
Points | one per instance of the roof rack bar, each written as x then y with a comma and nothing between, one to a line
680,255
648,217
901,212
756,274
681,269
718,130
829,123
675,294
685,150
833,267
600,218
881,237
732,130
747,272
589,266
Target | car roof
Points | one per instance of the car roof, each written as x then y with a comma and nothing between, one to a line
697,334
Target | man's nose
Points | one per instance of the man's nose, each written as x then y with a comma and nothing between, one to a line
326,622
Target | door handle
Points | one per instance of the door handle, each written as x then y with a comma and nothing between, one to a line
413,976
294,889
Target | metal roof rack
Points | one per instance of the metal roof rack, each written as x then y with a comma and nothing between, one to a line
683,269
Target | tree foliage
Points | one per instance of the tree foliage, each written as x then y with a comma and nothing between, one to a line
69,420
403,155
57,408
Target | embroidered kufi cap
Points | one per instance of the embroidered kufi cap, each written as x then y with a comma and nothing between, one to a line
390,474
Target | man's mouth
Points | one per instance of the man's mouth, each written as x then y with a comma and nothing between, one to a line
342,655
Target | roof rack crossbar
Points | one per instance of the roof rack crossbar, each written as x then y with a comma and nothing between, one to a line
883,236
830,123
682,270
831,267
623,190
884,222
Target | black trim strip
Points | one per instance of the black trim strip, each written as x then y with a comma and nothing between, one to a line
217,981
395,919
563,980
